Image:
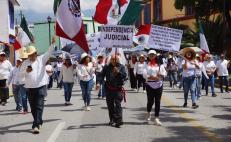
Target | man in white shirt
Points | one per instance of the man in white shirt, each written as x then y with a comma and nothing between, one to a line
36,81
5,69
222,71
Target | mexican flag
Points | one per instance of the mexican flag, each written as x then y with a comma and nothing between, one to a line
69,23
142,36
203,42
132,12
23,35
108,12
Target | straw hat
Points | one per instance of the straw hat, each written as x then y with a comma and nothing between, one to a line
31,50
188,49
23,56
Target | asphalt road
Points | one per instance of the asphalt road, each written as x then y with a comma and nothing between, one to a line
211,122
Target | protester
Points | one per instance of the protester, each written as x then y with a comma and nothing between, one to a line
99,67
36,81
115,77
189,82
17,78
67,77
58,68
198,76
5,70
133,80
172,71
138,72
210,68
223,74
85,72
154,75
49,70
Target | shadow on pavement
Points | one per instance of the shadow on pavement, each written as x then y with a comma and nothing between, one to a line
8,129
72,110
224,117
54,105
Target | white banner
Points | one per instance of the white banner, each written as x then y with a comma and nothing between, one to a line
116,36
164,38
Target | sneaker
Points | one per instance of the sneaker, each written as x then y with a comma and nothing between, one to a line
88,108
148,117
157,122
194,106
185,105
111,123
45,99
214,95
118,124
36,130
21,112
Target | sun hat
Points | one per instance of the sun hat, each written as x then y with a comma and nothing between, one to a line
186,50
23,56
152,52
84,55
2,53
31,50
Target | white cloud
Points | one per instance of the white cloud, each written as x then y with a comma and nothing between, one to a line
46,6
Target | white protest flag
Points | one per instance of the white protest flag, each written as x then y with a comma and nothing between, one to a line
116,36
203,42
164,38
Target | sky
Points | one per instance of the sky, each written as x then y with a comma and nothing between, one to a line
38,10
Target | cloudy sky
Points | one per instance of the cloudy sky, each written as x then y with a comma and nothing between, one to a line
38,10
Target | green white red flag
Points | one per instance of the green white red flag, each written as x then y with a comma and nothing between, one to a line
69,23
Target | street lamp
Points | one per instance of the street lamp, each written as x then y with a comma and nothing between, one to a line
49,23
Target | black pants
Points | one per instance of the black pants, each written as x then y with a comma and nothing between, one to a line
224,79
154,95
4,94
141,81
50,85
114,100
133,80
36,100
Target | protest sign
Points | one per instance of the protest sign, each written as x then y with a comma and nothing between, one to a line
116,36
93,40
164,38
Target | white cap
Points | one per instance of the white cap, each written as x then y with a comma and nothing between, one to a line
2,53
152,52
84,55
19,59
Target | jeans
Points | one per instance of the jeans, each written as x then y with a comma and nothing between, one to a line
154,95
211,81
189,85
17,97
36,100
86,87
67,90
172,77
24,96
226,80
198,87
4,94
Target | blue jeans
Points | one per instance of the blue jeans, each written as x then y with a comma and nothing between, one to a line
17,97
24,97
86,87
172,77
189,85
67,90
211,81
198,87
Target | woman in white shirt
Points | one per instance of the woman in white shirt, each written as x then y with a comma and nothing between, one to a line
86,75
98,71
210,68
189,71
154,75
67,74
138,72
223,73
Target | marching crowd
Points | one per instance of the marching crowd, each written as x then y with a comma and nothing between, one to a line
33,75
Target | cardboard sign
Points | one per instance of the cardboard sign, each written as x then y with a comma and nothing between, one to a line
164,38
116,36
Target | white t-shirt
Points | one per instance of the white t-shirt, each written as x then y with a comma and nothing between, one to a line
191,69
67,73
5,69
222,68
99,67
139,68
85,73
153,71
209,66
